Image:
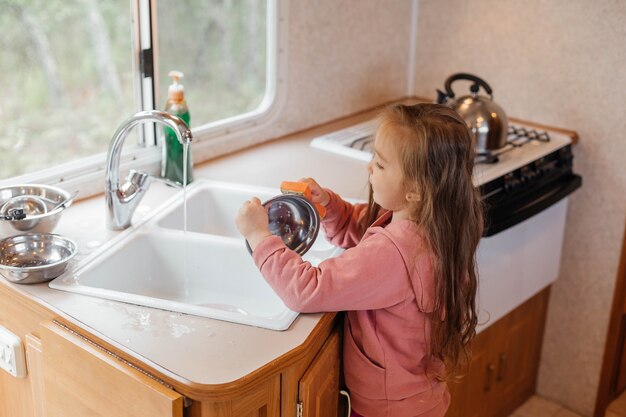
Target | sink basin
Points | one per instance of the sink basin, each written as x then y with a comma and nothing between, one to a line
205,271
212,208
200,275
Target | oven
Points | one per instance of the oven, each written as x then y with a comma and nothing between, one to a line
521,193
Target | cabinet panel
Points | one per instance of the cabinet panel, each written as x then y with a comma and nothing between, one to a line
620,385
520,339
319,387
505,360
15,396
515,360
471,395
35,365
264,401
82,380
21,318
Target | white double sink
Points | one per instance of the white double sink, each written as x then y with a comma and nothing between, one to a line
205,271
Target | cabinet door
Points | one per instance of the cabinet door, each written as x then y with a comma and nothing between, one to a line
34,360
15,396
472,395
261,401
520,337
514,367
83,380
21,317
505,360
319,387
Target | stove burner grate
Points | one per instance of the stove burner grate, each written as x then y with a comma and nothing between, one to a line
518,136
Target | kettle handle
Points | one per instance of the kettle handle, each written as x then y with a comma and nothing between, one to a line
465,76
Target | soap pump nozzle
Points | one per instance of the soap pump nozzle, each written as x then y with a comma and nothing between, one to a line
176,91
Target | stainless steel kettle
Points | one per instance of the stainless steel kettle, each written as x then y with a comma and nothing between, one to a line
485,119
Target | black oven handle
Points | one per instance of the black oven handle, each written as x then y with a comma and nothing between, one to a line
497,220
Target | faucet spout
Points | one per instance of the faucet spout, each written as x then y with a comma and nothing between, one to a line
121,202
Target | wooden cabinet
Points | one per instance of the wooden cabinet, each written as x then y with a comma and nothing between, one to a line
307,380
19,397
35,366
69,375
505,360
81,379
71,372
475,384
261,400
318,391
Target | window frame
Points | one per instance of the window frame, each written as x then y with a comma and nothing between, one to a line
86,175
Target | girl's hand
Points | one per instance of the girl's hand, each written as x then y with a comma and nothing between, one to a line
252,222
318,194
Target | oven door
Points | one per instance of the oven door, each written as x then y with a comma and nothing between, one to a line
501,214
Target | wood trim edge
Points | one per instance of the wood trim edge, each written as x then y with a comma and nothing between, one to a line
202,392
609,362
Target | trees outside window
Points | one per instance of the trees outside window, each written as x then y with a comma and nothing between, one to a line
67,74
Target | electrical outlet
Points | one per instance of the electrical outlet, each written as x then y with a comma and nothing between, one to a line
12,357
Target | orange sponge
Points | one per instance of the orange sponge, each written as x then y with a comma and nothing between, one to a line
303,189
294,187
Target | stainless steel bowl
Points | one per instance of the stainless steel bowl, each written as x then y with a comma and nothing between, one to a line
43,222
294,219
35,257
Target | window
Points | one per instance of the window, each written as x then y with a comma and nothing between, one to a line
220,46
66,80
69,73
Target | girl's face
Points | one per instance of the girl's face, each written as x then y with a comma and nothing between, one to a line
386,175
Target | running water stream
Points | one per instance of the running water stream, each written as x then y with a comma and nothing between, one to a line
185,158
185,251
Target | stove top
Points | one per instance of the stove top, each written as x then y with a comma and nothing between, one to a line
525,146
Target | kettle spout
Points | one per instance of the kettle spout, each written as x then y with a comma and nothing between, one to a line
442,98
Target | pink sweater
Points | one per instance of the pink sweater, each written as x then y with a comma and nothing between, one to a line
384,282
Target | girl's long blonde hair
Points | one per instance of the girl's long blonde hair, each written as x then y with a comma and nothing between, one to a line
436,152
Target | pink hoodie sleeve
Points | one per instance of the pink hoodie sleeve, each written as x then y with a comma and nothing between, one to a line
371,275
342,221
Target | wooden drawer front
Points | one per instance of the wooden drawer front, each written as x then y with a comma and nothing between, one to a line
82,380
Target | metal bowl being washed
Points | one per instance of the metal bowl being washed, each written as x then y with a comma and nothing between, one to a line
294,219
35,257
31,208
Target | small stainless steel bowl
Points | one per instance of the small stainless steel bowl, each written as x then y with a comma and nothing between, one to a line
44,222
31,205
35,257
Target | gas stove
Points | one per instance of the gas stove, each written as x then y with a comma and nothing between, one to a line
531,173
524,145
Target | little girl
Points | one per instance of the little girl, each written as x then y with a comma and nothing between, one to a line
408,278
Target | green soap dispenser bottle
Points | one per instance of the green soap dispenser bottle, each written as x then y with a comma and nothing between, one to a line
173,150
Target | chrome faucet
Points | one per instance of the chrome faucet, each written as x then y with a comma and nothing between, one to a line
121,202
